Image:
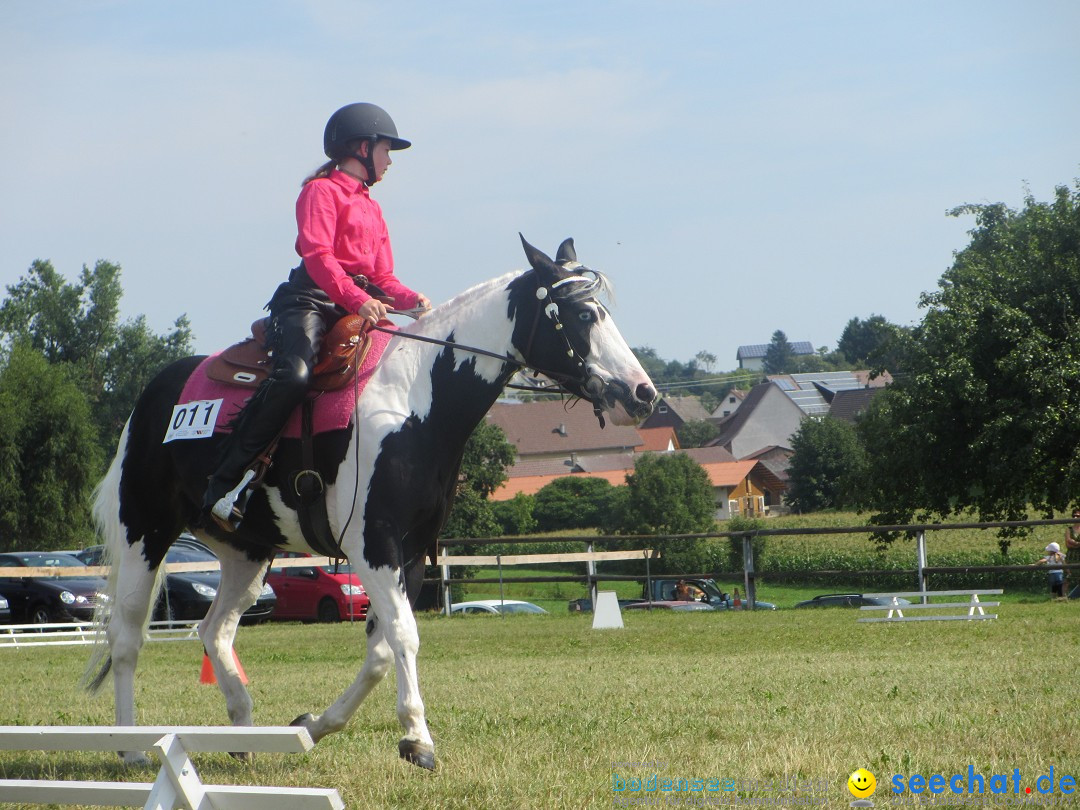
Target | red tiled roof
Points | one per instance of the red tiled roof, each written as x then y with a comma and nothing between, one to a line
555,427
721,474
658,438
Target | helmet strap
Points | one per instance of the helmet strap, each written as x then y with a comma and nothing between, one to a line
368,162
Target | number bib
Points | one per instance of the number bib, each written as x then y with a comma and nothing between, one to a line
193,420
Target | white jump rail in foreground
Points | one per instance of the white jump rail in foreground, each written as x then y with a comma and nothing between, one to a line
177,784
59,634
974,607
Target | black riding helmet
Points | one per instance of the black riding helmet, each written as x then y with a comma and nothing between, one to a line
360,121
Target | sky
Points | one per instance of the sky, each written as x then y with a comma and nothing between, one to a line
734,167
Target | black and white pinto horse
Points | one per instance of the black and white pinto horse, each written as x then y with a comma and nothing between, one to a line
389,484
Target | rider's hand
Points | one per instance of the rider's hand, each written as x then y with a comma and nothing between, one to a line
373,310
422,301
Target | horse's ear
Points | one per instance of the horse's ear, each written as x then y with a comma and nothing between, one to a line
566,253
538,260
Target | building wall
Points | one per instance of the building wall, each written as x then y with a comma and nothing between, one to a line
773,421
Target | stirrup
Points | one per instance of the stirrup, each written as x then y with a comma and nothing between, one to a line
225,512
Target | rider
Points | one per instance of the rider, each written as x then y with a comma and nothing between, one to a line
343,243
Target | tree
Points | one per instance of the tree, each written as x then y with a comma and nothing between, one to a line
515,516
696,433
488,455
986,416
780,355
860,338
50,458
668,493
827,457
872,343
706,360
572,502
77,325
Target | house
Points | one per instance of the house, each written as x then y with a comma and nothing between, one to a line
740,487
814,391
675,412
849,405
658,439
766,418
752,357
730,403
552,429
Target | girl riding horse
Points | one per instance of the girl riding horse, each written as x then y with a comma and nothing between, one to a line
344,247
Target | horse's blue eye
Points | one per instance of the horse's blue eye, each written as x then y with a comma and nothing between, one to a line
586,315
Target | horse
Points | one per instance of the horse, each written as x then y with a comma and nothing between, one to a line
389,478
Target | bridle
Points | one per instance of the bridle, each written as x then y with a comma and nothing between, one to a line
589,382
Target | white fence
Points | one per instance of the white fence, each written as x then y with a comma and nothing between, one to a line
59,634
177,784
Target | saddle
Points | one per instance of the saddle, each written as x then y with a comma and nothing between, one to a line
248,363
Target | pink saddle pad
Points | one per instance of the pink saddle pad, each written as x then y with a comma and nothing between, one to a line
333,409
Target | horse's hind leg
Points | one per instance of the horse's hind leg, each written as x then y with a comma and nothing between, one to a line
135,587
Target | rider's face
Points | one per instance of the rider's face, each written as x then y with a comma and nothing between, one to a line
381,158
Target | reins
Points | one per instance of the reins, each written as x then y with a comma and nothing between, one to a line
553,375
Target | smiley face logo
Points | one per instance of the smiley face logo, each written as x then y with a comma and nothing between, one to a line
862,784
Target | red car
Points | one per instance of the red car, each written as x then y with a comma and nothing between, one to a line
324,593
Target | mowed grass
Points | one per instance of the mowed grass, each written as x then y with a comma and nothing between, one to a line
532,711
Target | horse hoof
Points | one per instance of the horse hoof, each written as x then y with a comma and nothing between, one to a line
135,759
417,753
304,720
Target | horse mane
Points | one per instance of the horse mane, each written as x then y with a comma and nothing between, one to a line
589,283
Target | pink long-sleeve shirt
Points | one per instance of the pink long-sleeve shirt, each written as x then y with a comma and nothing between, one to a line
341,233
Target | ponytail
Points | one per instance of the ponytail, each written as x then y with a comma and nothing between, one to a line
322,171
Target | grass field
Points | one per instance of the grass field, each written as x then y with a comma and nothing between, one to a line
535,711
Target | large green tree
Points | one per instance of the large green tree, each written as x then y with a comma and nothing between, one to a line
77,325
780,356
572,502
986,415
827,455
50,457
668,493
488,454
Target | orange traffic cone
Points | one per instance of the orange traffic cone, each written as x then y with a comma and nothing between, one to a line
207,674
736,602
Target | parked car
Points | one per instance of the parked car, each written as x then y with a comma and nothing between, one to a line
187,596
671,604
848,600
5,610
584,605
40,600
496,606
325,593
702,590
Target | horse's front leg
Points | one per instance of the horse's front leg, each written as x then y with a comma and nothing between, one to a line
392,639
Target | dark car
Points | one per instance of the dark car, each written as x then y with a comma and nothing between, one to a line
40,600
325,593
187,595
848,600
5,610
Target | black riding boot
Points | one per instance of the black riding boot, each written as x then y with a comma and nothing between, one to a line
300,319
259,424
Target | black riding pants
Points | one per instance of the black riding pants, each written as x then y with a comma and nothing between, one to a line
301,313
